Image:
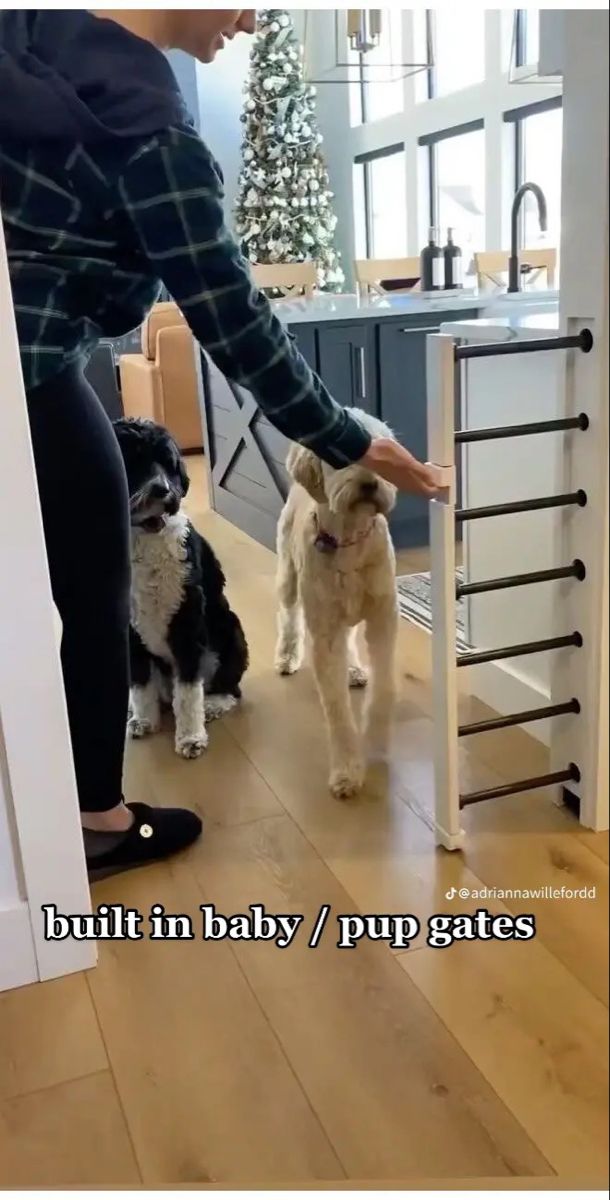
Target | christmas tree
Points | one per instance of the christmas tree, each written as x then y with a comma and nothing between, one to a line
283,211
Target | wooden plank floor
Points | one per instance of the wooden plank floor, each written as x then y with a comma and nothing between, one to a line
234,1062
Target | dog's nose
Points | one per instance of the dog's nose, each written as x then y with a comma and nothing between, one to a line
369,489
159,490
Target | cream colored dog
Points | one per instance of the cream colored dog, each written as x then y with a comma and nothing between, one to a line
337,570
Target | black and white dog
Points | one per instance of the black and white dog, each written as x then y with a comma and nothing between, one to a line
186,644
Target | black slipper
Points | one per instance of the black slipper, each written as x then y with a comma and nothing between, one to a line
156,833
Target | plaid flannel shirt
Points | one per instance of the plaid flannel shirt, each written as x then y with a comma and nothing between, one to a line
91,234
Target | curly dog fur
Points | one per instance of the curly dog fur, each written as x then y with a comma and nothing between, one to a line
337,571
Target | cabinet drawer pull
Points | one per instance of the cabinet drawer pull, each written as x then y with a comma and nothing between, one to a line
422,329
362,370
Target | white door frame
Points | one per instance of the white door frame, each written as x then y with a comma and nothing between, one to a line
584,302
38,772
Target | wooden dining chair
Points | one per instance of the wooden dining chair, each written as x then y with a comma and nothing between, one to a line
373,273
492,265
289,279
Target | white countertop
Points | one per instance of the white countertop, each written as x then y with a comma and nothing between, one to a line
348,307
504,329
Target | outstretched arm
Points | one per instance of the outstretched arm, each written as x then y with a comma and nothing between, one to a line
172,193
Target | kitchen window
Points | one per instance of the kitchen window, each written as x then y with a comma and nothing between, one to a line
538,153
380,204
457,47
457,184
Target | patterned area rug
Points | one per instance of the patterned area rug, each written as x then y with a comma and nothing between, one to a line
415,599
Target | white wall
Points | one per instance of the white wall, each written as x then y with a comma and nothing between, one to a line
185,70
332,110
220,86
9,887
585,300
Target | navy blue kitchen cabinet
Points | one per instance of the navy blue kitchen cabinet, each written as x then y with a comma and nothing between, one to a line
305,338
347,363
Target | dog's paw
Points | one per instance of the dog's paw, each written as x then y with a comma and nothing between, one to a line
358,677
217,706
346,780
192,745
288,663
140,727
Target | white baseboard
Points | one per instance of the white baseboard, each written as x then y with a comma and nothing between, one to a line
17,954
506,692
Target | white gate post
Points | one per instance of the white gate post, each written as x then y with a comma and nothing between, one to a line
441,369
48,844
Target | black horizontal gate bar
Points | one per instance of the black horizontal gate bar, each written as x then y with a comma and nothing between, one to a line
576,570
578,341
519,506
570,775
531,427
474,658
519,718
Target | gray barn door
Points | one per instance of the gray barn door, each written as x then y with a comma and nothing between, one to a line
245,454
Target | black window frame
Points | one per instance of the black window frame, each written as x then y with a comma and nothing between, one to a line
431,141
365,160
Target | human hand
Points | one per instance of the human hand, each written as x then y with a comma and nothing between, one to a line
398,466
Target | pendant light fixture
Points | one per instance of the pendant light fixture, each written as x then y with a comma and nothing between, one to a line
356,46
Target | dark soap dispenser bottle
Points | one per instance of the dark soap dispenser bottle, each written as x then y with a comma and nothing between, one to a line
454,275
432,265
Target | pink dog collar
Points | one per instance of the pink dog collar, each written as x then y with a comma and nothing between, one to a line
327,543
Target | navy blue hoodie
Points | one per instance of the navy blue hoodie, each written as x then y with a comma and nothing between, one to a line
71,76
106,192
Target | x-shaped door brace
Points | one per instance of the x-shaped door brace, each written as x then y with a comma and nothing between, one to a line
242,434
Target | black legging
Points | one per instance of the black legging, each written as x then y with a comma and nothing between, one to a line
85,510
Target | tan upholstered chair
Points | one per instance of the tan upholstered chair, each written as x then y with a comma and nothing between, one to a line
161,382
492,267
292,279
371,271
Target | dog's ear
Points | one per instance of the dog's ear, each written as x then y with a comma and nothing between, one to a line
178,464
305,468
185,482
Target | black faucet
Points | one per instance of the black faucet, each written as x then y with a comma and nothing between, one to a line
513,262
